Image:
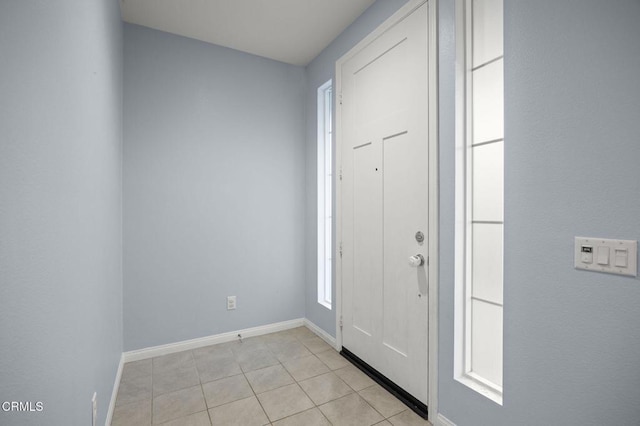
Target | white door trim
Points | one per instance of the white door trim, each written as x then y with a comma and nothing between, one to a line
404,11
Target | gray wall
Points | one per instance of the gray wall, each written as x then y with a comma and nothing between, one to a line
60,207
572,111
321,69
213,189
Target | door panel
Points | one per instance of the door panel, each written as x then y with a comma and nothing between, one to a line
401,202
367,249
378,94
384,195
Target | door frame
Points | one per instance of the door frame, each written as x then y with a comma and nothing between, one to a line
433,259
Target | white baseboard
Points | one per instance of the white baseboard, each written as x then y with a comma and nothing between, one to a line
443,421
114,393
321,333
185,345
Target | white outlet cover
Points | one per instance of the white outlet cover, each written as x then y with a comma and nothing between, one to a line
231,302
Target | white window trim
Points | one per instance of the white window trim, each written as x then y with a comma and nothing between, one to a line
463,181
325,194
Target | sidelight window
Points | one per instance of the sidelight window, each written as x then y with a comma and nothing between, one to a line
325,180
480,196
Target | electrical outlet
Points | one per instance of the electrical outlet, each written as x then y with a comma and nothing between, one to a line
94,405
231,303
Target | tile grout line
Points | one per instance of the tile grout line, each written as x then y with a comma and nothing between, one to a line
255,395
251,386
206,404
297,383
303,391
318,375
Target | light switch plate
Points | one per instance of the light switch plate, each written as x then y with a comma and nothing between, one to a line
605,255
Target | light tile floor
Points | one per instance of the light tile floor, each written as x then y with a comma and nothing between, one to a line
288,378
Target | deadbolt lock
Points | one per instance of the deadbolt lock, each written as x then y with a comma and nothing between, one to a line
419,237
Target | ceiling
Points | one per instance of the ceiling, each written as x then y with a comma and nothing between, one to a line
291,31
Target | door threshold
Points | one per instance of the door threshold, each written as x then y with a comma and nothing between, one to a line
405,397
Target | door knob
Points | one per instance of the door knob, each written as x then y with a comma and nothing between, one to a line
416,260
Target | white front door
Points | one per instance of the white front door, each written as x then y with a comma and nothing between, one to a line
384,203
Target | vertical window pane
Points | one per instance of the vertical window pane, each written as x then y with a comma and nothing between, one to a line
486,341
488,185
487,262
325,195
487,30
488,104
